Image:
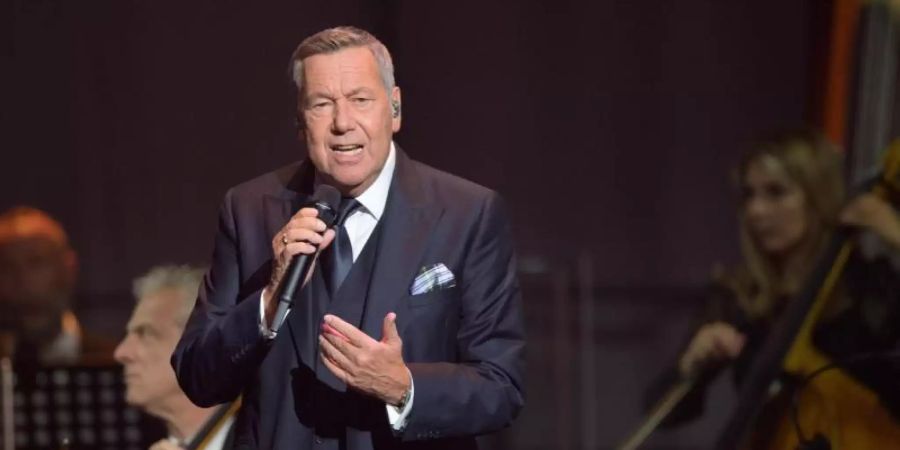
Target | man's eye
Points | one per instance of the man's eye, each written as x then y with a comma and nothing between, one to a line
361,100
143,332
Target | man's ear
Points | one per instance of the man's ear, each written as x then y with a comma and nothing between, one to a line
396,109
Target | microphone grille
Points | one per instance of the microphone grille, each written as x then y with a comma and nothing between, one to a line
326,197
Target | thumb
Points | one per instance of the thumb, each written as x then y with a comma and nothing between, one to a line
389,331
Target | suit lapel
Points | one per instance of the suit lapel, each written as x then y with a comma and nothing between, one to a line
408,221
277,211
278,208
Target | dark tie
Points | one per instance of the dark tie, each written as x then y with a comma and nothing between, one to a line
338,260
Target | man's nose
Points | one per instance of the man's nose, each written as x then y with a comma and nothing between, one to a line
342,121
122,353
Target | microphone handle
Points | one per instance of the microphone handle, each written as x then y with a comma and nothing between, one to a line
296,272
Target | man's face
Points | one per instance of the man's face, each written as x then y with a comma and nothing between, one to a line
36,283
347,117
152,334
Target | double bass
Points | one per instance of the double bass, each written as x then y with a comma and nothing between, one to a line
213,425
829,409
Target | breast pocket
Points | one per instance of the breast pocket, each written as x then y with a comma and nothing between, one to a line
439,297
433,322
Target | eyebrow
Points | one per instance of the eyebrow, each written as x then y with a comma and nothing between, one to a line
323,95
361,90
140,325
318,95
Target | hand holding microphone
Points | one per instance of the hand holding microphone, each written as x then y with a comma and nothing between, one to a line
294,250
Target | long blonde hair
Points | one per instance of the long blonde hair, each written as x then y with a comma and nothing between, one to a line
815,165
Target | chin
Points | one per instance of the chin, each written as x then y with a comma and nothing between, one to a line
349,182
132,399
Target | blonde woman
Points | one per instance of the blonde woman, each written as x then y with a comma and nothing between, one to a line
792,200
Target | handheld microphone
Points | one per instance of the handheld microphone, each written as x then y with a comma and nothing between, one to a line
324,200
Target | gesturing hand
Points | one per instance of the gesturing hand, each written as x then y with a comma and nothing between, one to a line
373,367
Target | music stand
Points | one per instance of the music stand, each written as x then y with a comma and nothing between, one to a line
74,408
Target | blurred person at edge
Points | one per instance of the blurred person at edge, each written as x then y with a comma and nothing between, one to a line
38,270
792,199
165,297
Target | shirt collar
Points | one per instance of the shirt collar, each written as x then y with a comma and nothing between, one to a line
374,198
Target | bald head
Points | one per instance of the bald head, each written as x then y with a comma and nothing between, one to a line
24,222
37,274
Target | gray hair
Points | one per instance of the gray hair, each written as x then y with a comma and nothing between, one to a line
184,279
336,39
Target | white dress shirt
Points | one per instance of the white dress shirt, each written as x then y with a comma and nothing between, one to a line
360,225
216,442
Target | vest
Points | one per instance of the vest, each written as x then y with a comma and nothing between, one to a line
322,402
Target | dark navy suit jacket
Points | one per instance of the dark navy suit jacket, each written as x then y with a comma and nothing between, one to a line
463,345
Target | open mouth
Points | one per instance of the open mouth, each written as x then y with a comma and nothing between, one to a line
347,149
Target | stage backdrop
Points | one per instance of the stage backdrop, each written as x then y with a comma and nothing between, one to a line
609,127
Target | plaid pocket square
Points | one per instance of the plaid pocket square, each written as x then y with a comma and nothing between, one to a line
432,278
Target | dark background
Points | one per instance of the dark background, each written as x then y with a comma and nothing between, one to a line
609,126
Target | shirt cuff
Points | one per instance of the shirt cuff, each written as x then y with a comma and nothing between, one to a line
399,418
264,329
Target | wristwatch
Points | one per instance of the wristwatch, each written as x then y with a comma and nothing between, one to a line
405,399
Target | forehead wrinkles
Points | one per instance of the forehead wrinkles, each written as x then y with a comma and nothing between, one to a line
338,74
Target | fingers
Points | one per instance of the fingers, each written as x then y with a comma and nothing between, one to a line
327,238
340,373
721,341
334,350
354,335
389,329
875,214
729,342
371,367
339,343
302,228
867,210
299,235
304,233
310,217
714,342
857,210
329,330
